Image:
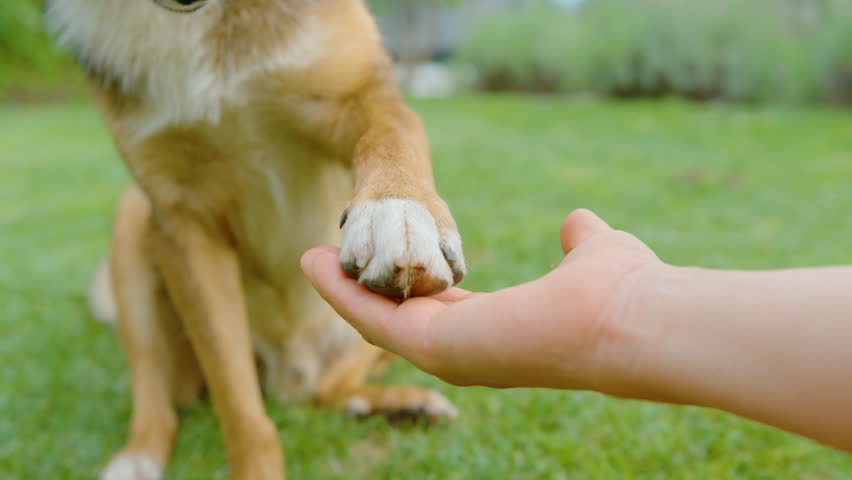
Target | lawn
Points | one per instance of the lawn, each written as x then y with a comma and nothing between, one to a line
717,186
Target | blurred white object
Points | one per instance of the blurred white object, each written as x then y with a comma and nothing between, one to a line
101,298
427,80
569,3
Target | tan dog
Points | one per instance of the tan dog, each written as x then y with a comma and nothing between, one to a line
242,123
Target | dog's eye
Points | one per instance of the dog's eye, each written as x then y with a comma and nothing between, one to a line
182,6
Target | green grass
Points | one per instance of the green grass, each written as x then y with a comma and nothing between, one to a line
716,186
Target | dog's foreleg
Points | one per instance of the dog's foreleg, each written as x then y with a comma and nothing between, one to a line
203,278
399,237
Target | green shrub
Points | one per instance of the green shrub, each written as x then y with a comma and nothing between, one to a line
736,50
523,50
23,39
697,49
833,53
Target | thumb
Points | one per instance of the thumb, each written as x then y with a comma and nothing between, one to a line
579,226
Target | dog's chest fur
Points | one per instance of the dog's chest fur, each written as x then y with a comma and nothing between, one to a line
258,80
255,79
185,67
144,49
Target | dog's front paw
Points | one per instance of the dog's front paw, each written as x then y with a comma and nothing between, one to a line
395,247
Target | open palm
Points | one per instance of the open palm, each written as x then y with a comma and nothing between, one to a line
545,333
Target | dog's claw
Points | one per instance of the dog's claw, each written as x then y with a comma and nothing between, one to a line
344,217
386,286
351,268
451,257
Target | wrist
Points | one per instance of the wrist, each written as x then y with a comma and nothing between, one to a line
636,329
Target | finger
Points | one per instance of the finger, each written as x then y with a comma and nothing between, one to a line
579,226
365,310
452,295
324,248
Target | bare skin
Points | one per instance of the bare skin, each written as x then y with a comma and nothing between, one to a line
773,346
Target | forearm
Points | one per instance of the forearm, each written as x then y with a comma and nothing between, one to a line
772,346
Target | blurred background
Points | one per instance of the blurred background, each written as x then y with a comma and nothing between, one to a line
719,132
767,51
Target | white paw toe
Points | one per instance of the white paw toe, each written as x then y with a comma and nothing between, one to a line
358,406
129,466
437,406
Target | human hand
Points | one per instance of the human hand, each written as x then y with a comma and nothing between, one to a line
568,329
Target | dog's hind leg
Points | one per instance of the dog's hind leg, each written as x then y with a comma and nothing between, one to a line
165,373
343,387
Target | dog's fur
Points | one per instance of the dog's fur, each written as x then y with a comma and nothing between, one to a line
243,124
